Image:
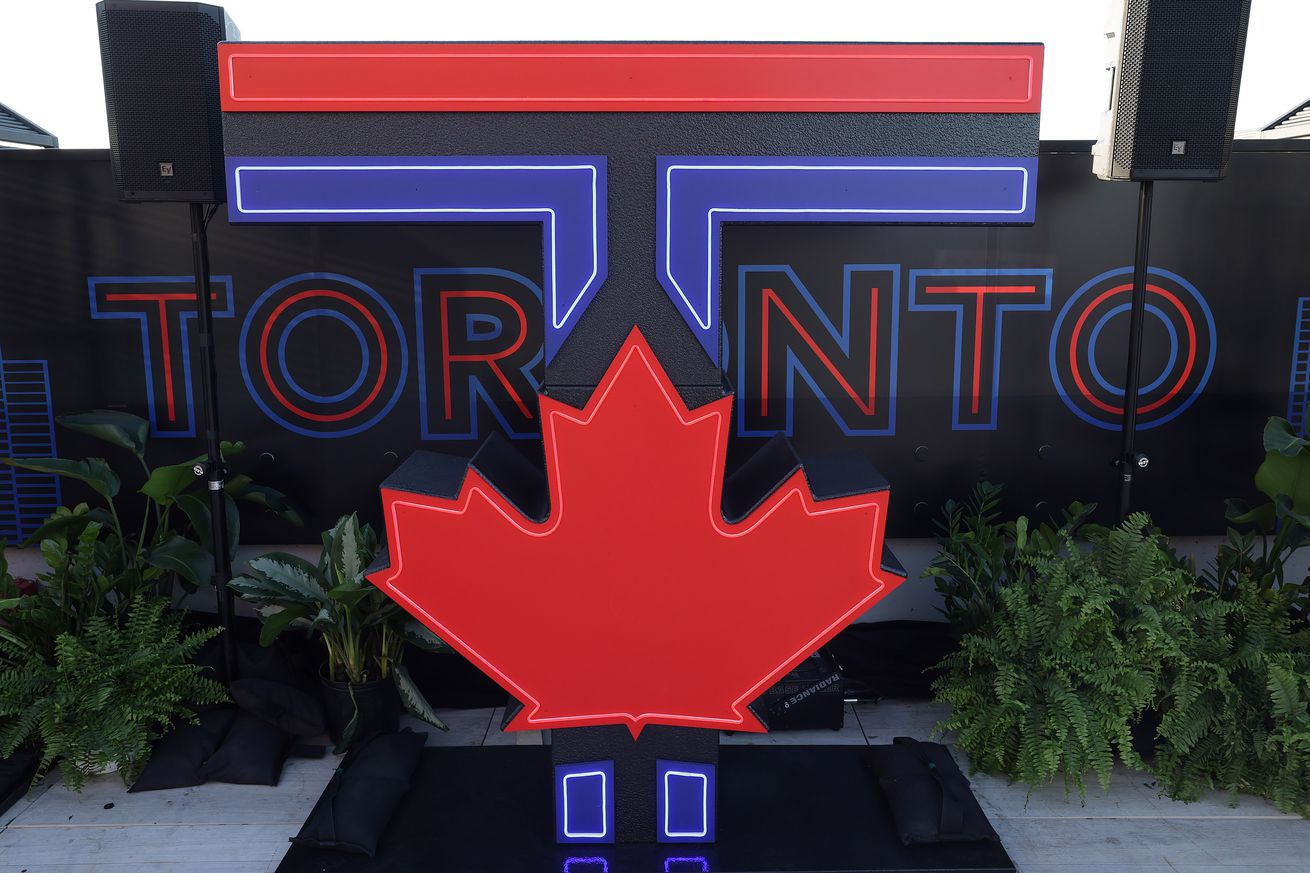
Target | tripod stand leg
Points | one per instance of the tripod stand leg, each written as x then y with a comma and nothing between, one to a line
1129,461
214,471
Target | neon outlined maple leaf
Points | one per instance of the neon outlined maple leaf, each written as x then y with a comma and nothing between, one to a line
631,599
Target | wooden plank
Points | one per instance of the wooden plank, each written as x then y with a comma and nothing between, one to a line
1133,844
1132,794
1162,868
886,719
468,727
254,847
210,866
25,802
214,803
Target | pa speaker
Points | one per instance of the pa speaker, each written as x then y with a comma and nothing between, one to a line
1175,70
160,63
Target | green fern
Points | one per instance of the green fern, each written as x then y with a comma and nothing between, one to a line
1052,681
1235,714
979,554
106,695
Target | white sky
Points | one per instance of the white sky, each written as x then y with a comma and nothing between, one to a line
50,57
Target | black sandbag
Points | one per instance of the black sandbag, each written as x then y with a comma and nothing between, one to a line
295,711
358,803
178,759
16,773
252,753
929,797
891,658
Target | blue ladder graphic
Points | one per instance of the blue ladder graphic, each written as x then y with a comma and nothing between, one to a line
1298,389
27,430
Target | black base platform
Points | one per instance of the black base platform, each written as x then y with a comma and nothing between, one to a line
799,809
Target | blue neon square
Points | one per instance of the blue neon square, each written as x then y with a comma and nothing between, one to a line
584,802
685,799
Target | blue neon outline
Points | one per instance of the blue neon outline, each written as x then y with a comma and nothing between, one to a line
958,309
1087,286
1096,333
555,257
715,170
563,772
286,372
664,810
569,862
476,388
296,428
1294,415
694,859
666,807
474,335
842,338
227,312
27,519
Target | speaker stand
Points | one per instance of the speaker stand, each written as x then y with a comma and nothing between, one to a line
214,471
1130,460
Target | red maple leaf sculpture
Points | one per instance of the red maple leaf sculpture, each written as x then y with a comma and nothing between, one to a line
618,593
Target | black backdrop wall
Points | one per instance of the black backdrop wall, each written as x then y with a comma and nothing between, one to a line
944,353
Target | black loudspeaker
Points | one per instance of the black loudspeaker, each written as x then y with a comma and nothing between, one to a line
160,63
1176,66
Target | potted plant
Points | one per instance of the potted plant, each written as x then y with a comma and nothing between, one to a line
979,554
172,541
1237,706
17,767
105,693
1053,678
363,631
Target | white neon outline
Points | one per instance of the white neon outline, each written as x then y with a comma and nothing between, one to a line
794,488
704,805
708,322
1030,59
604,818
550,222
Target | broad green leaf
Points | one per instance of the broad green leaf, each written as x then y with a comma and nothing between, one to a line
345,550
121,429
53,553
350,594
1281,438
1281,474
167,482
262,592
1261,517
413,700
70,525
184,557
196,509
93,471
296,575
271,499
276,622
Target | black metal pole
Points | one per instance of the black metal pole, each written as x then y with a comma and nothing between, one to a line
213,470
1129,461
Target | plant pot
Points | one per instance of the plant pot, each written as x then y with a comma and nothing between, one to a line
103,769
16,774
1144,733
378,703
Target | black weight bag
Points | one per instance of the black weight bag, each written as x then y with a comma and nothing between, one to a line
929,797
358,803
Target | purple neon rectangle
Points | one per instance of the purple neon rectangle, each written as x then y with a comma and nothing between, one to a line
410,189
